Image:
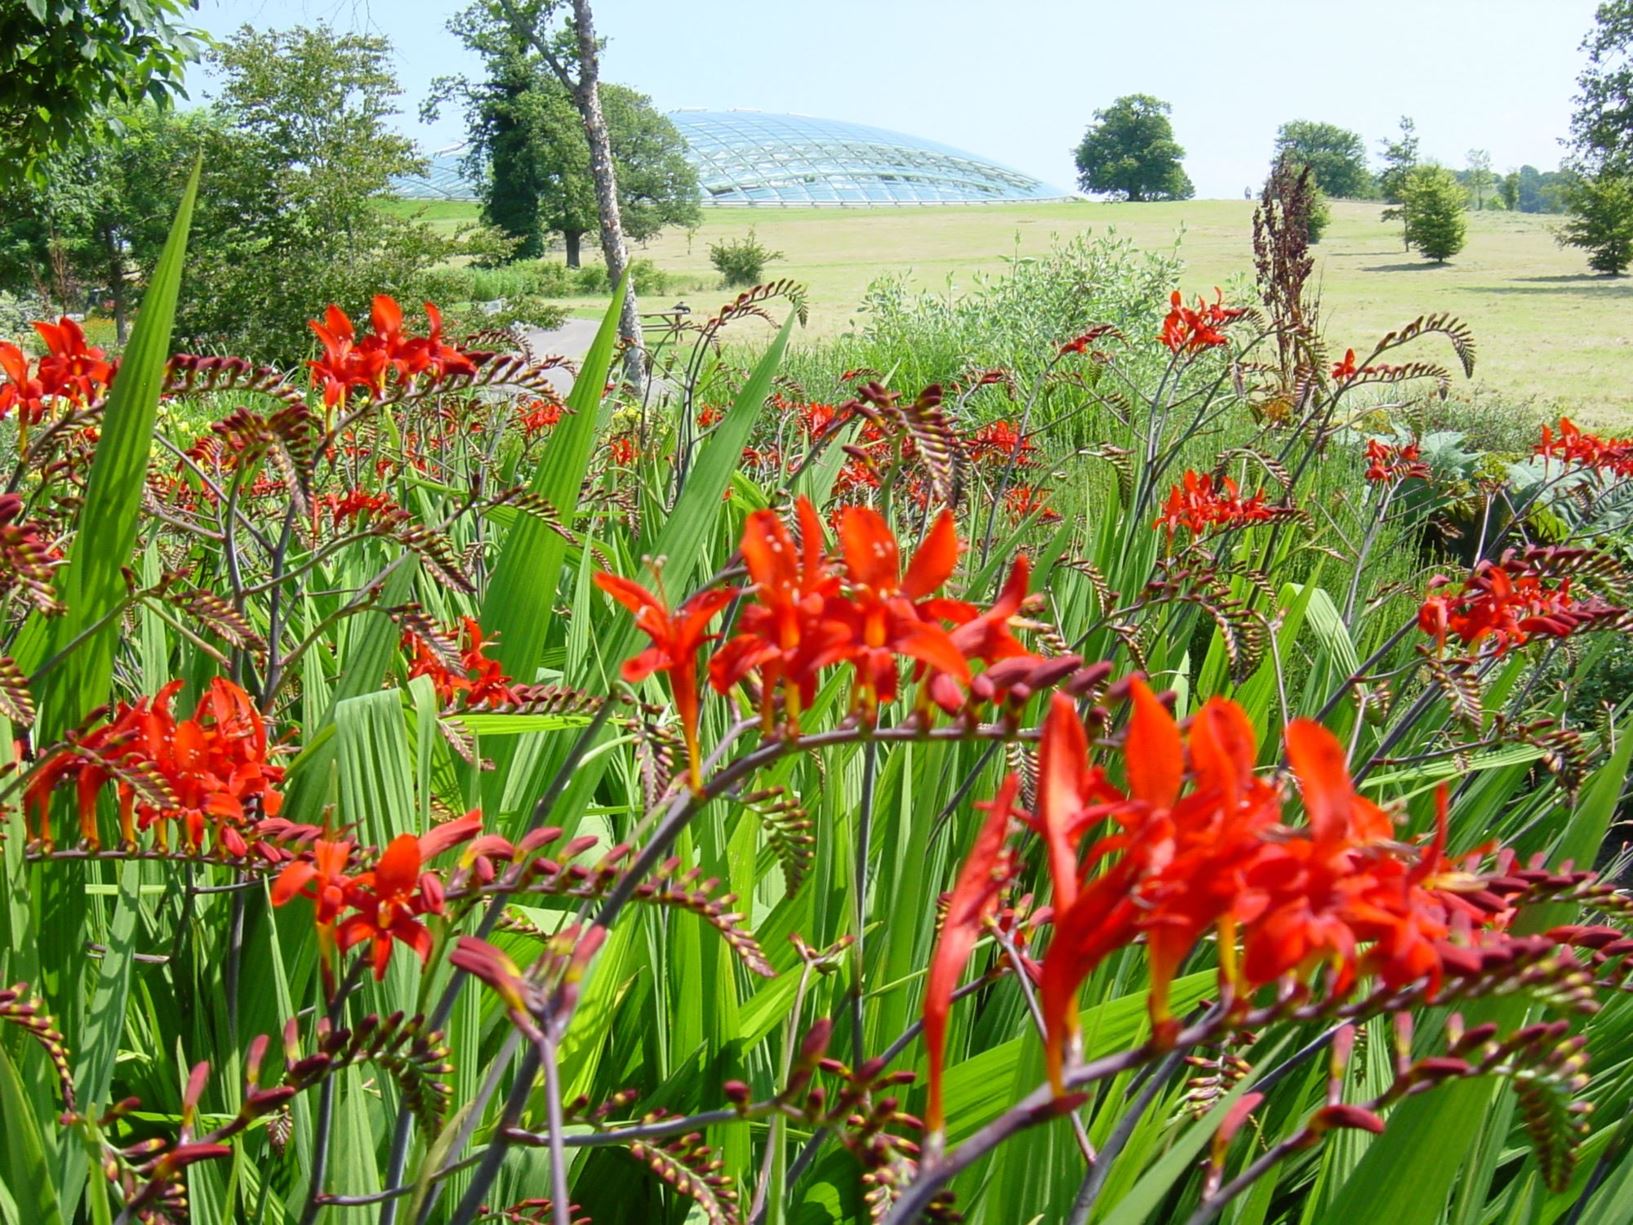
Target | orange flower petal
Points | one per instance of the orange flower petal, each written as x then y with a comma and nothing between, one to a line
1154,759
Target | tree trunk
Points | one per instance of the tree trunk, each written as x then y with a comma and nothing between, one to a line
116,284
571,238
588,96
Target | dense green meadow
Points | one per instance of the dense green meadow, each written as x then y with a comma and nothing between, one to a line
1550,331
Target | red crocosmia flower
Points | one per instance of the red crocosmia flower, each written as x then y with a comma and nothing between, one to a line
817,418
1201,502
21,391
1511,601
354,506
71,372
1335,812
970,905
621,448
1023,501
480,681
1197,844
1189,331
433,355
986,637
1573,446
536,416
214,767
887,613
390,899
387,318
322,877
341,365
1080,344
1000,441
676,637
349,363
1346,369
787,634
1390,463
71,369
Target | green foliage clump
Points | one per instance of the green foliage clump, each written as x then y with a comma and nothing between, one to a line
742,261
1335,155
1601,219
1129,153
1433,207
1320,215
68,69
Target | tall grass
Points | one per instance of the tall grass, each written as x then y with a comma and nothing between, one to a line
647,996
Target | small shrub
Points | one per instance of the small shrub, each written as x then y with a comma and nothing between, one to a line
1434,207
552,280
742,261
1320,216
1601,209
648,278
592,278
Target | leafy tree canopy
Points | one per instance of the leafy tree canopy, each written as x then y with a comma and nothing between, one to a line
1601,222
97,219
1129,153
529,152
1335,156
1399,157
1602,127
1434,206
298,159
66,66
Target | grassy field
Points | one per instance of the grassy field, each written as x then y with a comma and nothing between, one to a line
1549,330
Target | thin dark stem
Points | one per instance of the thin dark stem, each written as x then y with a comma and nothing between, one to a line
560,1208
1100,1168
1372,660
475,1195
445,1002
1266,1161
326,1106
393,1193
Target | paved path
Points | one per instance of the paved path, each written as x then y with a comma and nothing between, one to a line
571,340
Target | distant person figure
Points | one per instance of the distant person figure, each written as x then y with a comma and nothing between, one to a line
1247,193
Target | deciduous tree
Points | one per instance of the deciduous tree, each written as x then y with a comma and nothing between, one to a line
563,37
1335,155
1129,153
1602,127
1433,205
96,220
1478,177
1601,221
1399,157
530,156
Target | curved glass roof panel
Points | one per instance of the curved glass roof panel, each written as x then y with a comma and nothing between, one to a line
755,157
444,179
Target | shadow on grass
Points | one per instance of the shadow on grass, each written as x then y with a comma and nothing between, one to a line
1420,265
1583,284
1573,278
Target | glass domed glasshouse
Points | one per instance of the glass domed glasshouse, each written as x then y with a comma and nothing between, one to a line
758,158
753,157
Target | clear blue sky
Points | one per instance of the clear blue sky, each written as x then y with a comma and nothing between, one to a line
1019,80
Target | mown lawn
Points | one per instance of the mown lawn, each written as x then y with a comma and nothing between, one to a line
1549,330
